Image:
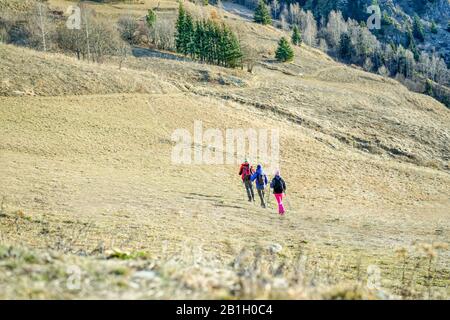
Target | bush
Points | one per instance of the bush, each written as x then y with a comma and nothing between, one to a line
101,41
150,18
128,29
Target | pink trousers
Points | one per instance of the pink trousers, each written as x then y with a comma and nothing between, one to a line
279,198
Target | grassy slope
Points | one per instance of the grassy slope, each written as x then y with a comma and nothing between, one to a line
25,72
82,174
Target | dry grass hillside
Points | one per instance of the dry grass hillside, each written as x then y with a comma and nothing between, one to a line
88,187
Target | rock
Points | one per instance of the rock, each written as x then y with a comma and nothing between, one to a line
145,274
275,248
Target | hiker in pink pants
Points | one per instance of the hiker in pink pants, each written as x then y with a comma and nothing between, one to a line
279,187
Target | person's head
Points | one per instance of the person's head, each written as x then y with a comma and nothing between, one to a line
245,160
277,172
258,167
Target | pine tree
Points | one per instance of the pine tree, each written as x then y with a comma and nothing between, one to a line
345,46
180,35
411,45
188,35
233,54
434,27
284,51
262,14
418,30
296,36
206,41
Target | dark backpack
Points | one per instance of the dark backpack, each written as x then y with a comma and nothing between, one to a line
260,179
278,185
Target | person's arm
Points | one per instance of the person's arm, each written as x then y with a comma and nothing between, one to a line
284,185
271,184
265,180
253,177
240,170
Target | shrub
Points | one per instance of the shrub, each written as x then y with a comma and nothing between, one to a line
128,29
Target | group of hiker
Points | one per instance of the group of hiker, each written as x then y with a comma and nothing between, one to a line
249,175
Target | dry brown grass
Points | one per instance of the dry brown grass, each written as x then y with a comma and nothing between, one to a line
93,178
27,72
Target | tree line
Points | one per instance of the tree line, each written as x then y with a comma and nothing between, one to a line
207,41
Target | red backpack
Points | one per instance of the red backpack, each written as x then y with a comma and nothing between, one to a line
246,173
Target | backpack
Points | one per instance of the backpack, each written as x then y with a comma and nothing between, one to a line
278,185
246,172
260,179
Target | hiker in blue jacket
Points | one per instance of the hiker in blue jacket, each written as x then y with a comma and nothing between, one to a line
261,182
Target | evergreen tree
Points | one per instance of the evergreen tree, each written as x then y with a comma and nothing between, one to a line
296,36
418,30
428,88
180,35
207,41
434,27
345,46
262,14
188,38
284,51
356,10
411,45
232,49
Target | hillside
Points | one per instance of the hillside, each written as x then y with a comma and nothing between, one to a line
88,183
397,16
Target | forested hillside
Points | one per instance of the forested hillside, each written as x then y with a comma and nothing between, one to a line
411,45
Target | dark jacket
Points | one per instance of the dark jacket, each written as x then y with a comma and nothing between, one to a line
259,172
278,185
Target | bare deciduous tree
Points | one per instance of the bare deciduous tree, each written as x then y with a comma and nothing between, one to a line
39,27
129,29
310,29
163,34
249,56
335,27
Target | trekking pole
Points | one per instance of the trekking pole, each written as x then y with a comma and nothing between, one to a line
268,198
245,191
287,201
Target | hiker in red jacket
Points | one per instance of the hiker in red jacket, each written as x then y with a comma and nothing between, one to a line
246,171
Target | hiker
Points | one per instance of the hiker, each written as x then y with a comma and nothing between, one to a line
261,182
279,187
246,171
